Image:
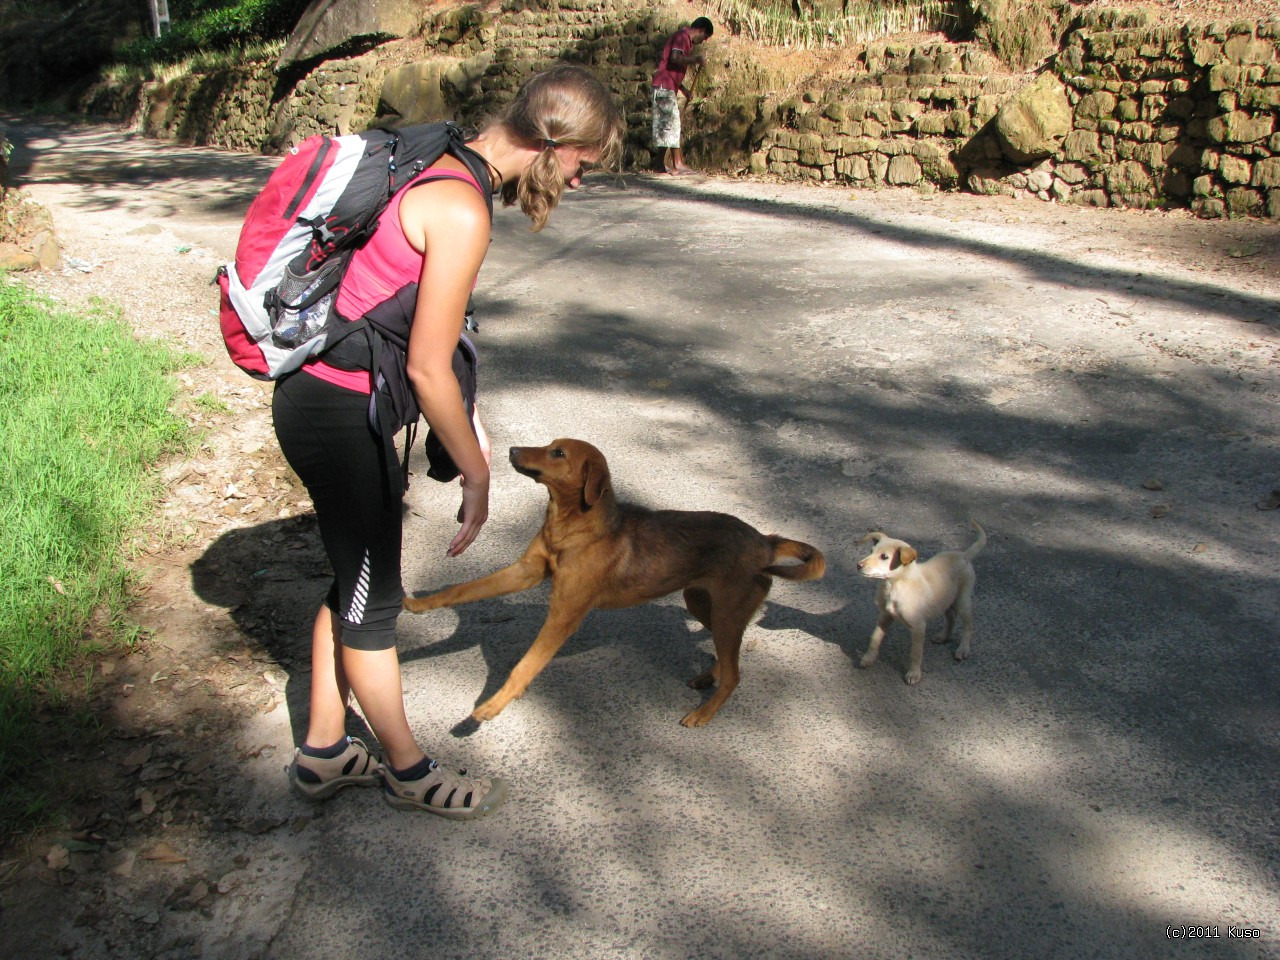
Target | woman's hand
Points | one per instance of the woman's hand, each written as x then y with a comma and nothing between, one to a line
472,514
470,495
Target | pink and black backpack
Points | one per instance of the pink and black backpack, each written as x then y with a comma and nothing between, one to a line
318,207
321,204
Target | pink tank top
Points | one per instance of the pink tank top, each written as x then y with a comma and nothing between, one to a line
378,270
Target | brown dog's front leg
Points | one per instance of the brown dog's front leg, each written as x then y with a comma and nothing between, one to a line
561,622
525,573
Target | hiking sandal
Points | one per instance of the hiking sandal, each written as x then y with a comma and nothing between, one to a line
445,793
316,778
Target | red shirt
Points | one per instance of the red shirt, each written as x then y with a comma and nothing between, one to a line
669,76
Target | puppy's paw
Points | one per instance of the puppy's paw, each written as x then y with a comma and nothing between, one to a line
868,659
914,676
941,638
962,652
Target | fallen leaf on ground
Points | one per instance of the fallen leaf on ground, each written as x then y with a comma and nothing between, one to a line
136,758
230,881
163,853
1159,510
58,857
157,771
123,866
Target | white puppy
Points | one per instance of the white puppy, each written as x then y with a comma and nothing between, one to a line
913,591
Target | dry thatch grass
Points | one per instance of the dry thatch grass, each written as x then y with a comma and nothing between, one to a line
775,22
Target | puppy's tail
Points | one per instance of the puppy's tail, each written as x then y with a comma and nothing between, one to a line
977,544
812,563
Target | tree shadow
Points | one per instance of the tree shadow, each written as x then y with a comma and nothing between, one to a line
1131,677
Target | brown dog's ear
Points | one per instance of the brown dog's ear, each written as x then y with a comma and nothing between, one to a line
595,478
902,556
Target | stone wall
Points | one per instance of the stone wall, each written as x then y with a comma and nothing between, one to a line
1182,117
1176,117
900,119
247,107
465,65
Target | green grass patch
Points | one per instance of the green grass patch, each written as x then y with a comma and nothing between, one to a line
210,403
199,26
85,416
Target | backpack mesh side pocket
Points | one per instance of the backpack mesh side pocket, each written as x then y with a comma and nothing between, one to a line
300,306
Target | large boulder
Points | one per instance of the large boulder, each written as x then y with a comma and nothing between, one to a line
332,24
1033,122
27,238
412,94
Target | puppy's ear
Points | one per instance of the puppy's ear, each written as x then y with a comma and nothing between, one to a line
874,537
595,478
902,556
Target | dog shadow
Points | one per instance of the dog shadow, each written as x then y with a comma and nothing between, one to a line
271,579
665,634
842,628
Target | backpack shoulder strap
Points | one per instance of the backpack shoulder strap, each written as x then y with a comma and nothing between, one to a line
419,145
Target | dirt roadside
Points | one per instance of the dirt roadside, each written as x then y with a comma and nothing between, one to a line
145,226
177,712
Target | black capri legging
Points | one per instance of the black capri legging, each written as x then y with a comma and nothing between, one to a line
325,435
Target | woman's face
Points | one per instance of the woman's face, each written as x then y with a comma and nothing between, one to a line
575,163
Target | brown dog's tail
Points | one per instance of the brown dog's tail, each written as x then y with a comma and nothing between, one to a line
812,563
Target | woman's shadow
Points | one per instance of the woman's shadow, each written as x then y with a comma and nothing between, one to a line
271,578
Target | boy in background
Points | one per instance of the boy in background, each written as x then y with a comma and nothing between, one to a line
678,55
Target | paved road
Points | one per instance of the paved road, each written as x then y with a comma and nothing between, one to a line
1102,772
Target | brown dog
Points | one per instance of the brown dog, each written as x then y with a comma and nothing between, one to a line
602,553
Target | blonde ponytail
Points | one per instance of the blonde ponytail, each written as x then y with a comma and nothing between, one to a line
564,106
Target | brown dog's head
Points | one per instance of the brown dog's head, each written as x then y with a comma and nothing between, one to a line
573,471
887,557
